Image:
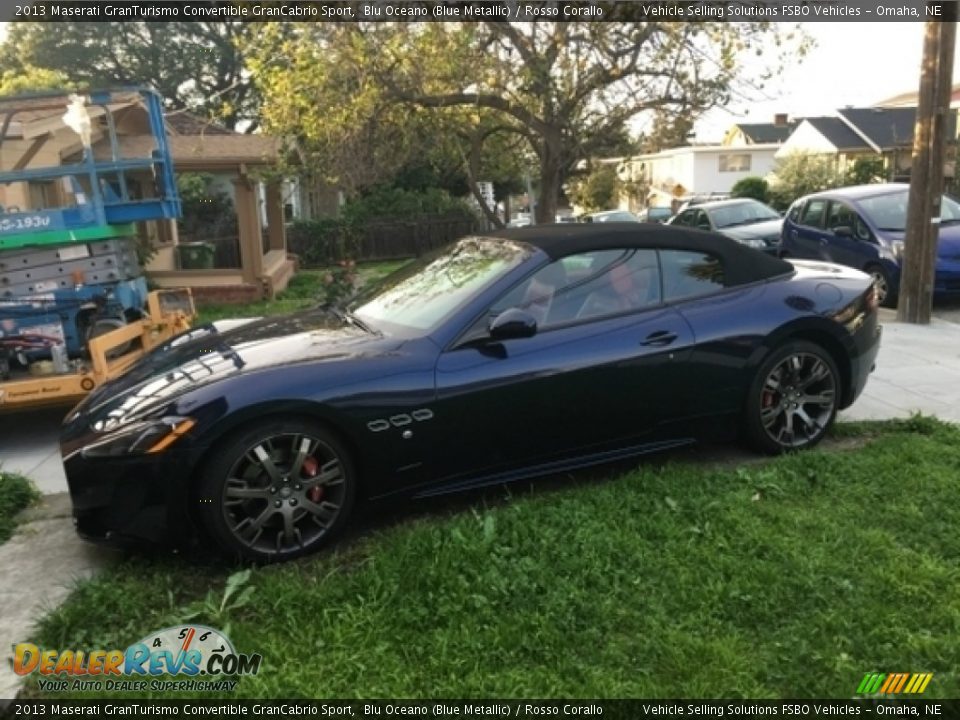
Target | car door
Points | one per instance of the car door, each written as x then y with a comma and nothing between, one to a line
850,246
806,236
596,375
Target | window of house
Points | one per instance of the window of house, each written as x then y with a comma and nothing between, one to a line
734,162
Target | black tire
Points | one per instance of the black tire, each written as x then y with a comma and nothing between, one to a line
881,278
793,372
276,490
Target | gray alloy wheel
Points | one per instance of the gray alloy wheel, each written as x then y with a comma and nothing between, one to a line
882,282
278,492
794,398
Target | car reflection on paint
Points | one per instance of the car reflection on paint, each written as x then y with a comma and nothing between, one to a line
500,357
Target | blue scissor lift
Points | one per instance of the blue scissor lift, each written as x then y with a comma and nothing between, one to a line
68,262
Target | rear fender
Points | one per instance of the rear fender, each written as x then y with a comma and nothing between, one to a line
820,331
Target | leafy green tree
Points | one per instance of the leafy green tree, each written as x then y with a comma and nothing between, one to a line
360,90
194,65
31,79
866,170
598,190
751,187
802,173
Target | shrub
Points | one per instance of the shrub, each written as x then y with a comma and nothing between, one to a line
800,174
751,187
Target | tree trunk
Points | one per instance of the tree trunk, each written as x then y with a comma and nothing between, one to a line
551,177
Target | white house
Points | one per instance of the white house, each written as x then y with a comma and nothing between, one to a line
697,169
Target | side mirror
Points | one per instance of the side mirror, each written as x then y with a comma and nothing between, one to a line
844,231
511,324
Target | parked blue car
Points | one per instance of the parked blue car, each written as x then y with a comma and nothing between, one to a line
863,227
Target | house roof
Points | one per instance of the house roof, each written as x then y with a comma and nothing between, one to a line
911,99
191,152
767,132
838,133
889,128
186,123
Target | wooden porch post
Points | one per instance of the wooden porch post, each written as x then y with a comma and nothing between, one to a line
248,221
275,221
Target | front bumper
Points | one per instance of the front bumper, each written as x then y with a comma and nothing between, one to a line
131,500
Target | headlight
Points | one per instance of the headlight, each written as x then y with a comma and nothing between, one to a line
140,438
757,243
894,251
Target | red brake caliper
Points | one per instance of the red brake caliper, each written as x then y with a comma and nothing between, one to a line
767,399
310,469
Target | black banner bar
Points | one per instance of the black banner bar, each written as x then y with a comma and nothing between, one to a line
489,709
467,11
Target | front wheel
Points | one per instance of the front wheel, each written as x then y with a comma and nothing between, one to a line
793,399
881,280
277,490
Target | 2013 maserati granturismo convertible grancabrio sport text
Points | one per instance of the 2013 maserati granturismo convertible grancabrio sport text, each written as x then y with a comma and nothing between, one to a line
521,353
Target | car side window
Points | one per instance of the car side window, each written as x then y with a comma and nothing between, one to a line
794,213
702,222
841,214
586,286
687,218
813,213
687,274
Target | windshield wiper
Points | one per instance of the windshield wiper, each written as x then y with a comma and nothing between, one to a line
351,319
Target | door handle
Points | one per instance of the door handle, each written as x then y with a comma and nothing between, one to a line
659,338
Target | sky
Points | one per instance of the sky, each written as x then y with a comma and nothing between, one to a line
852,63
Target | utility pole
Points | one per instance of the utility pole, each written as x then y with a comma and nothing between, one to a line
926,174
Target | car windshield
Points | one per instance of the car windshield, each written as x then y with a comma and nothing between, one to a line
745,213
428,290
623,216
889,212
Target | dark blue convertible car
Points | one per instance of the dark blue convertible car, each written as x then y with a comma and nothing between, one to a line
500,357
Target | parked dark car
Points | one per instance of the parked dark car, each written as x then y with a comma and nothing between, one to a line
747,221
531,351
863,227
655,214
609,216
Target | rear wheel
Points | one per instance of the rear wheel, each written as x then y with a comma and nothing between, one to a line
881,280
276,491
793,398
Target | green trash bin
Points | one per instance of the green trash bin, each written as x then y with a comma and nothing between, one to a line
196,255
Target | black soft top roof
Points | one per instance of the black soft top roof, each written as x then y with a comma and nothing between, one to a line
741,264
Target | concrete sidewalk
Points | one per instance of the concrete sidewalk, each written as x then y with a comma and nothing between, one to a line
29,446
918,369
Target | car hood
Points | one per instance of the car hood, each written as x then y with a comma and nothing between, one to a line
763,230
205,354
948,245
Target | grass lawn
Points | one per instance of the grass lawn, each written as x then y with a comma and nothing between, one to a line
788,578
305,290
16,493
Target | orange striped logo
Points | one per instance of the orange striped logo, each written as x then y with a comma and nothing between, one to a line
894,683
